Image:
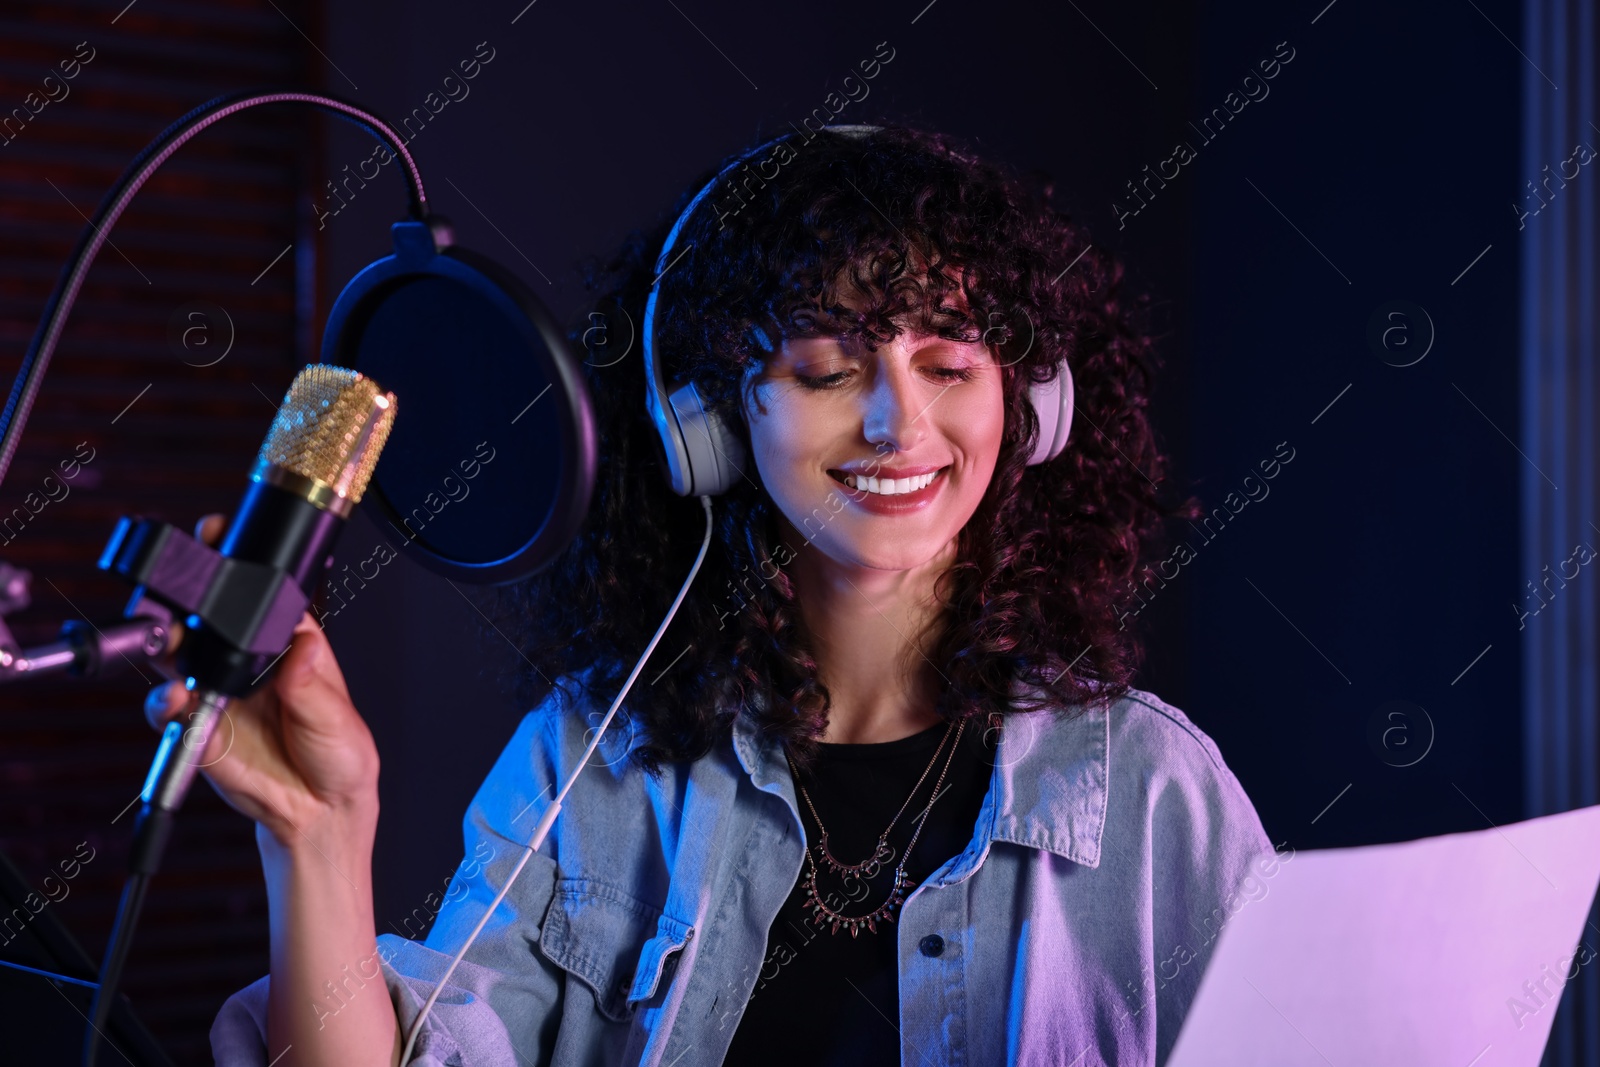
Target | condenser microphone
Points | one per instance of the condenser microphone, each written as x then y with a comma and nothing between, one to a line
240,604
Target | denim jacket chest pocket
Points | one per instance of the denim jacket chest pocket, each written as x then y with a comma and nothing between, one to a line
618,945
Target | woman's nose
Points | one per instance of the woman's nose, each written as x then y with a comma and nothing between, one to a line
894,410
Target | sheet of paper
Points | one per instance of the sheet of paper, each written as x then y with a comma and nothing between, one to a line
1448,951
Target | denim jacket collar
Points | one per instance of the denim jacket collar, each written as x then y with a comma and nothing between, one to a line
1048,790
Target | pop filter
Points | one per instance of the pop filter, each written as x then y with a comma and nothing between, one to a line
488,476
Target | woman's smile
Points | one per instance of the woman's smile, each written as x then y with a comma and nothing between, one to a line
892,492
887,481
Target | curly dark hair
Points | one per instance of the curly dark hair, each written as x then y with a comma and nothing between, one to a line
913,221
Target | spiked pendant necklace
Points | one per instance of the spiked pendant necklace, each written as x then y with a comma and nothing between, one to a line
821,913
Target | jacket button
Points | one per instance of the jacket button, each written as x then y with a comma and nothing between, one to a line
932,945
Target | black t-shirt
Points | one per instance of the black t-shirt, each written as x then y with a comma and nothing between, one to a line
831,999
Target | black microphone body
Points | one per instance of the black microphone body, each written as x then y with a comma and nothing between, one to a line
280,530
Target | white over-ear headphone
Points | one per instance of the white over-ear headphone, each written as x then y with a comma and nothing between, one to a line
703,455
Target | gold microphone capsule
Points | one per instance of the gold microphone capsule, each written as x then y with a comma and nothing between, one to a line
327,437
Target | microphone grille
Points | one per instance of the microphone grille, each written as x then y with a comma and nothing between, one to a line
329,431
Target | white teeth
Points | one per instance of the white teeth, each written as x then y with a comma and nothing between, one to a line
890,486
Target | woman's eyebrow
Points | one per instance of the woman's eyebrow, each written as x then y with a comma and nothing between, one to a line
921,334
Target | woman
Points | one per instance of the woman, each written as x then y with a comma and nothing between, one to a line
887,795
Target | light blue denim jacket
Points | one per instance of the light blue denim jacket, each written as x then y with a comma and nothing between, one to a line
1109,850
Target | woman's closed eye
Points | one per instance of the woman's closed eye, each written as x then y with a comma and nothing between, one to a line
944,375
826,381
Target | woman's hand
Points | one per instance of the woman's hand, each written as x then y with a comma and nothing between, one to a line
293,755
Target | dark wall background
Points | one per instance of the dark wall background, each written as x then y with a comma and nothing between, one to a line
1382,564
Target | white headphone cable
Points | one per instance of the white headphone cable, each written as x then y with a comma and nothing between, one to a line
550,812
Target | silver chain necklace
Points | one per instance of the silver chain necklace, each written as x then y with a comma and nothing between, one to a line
821,914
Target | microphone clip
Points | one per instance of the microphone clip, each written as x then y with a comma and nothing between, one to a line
250,606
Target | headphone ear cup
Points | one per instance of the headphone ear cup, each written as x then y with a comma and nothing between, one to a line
715,454
1053,404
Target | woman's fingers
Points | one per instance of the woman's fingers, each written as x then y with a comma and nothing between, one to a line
211,527
316,662
310,672
173,701
164,702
